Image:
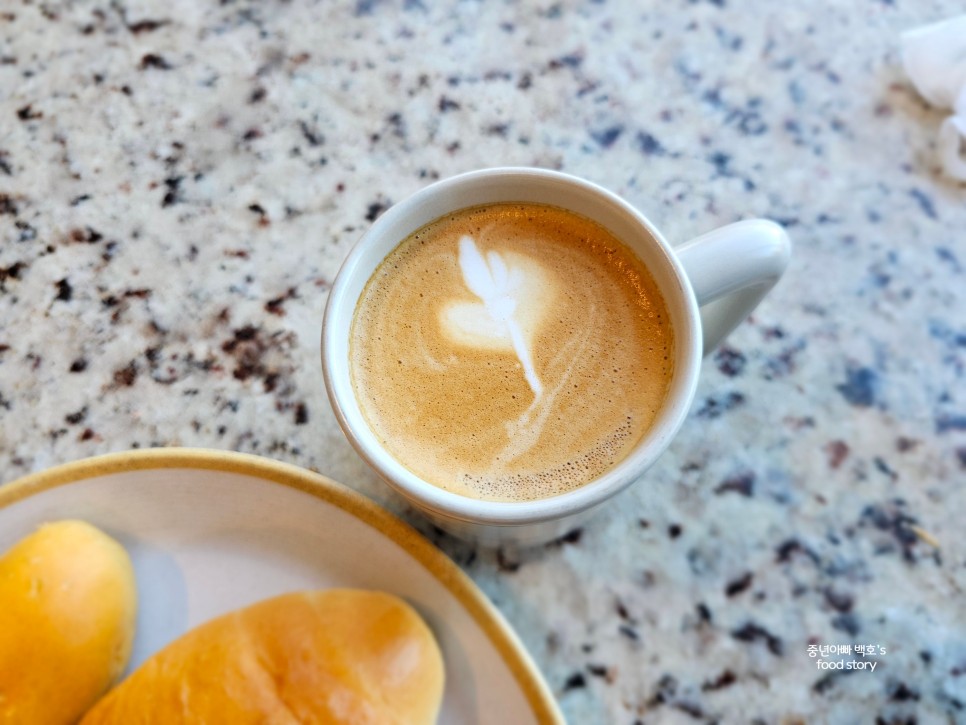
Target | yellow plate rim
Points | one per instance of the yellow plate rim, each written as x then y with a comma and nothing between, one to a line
459,584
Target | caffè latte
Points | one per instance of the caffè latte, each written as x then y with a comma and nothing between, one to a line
511,352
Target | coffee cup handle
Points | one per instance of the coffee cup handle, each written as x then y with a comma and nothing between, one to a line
731,269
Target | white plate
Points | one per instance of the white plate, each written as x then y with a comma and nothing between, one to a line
211,531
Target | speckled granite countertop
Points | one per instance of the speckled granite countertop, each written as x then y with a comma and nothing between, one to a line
179,182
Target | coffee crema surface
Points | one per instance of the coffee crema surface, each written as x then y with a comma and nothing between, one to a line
511,352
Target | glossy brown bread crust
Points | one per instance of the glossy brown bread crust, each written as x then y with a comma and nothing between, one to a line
338,656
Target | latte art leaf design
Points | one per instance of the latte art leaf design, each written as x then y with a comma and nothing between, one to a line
499,288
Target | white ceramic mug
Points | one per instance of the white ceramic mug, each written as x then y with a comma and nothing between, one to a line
709,284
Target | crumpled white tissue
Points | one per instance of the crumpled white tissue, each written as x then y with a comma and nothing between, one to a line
935,61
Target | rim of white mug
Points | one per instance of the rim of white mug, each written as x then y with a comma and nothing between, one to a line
340,308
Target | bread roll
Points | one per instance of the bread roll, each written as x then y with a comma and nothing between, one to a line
67,608
338,656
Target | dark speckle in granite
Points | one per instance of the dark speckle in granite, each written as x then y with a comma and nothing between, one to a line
846,622
64,290
729,40
312,135
836,451
741,483
622,612
723,168
608,674
861,386
905,444
704,613
11,272
901,692
665,690
737,586
648,144
891,518
576,681
729,361
367,7
447,104
717,405
949,257
146,25
788,548
827,682
259,354
567,60
838,600
275,306
752,632
127,375
85,235
76,417
783,363
947,422
606,137
376,209
27,113
925,202
883,467
397,125
173,189
725,679
152,60
669,693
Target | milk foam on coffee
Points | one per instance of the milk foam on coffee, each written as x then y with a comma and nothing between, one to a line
511,351
501,288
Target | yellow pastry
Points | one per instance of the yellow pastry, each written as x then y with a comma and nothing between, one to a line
67,608
337,656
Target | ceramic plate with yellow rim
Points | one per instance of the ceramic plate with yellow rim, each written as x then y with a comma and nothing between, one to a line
211,531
